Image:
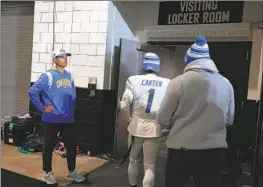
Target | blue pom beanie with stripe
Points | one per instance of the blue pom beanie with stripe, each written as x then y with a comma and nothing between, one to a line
198,50
151,62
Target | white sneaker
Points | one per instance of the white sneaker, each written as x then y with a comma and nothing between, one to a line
74,176
50,179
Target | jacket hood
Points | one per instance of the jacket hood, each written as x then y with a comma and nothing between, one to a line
202,64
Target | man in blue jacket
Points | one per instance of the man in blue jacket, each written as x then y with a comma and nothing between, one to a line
58,92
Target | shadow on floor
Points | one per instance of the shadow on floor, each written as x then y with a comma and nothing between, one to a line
11,179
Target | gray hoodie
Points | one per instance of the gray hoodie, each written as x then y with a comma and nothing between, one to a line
197,107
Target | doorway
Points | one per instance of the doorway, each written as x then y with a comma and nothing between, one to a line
233,62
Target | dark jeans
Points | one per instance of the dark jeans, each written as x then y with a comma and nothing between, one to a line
68,133
204,165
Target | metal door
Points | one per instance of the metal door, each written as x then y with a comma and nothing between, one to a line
130,62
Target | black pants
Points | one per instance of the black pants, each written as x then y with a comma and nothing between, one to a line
204,165
68,133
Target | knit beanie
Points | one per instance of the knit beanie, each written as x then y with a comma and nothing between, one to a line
198,50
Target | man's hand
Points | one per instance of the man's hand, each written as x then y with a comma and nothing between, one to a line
49,108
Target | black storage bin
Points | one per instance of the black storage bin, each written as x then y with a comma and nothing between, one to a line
16,133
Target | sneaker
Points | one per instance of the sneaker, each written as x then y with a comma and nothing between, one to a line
50,179
74,176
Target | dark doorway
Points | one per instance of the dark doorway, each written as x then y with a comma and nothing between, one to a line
233,61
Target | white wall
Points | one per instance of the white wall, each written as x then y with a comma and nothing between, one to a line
117,28
146,15
80,28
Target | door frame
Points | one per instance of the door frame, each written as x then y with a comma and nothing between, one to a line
257,171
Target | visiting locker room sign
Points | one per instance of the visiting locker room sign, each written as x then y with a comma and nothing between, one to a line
200,12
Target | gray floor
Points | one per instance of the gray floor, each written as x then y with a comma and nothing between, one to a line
118,177
110,176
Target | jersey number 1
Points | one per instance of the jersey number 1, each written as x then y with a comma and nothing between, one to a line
150,100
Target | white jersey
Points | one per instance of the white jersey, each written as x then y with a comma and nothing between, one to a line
140,103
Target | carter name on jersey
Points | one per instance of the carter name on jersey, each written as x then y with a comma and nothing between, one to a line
154,83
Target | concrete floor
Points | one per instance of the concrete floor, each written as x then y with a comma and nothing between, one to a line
105,176
31,164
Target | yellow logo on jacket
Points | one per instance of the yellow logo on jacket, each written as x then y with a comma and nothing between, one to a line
64,83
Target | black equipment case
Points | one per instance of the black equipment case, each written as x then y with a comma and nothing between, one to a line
16,131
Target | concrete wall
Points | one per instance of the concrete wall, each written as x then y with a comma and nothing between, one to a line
81,28
146,15
89,28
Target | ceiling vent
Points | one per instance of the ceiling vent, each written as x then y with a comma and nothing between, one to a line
207,30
